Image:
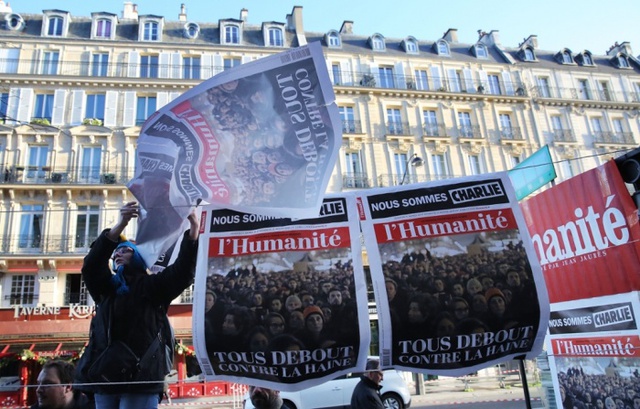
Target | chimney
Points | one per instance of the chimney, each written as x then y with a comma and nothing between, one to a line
490,38
347,27
5,8
451,36
244,15
532,41
183,13
130,11
294,23
625,48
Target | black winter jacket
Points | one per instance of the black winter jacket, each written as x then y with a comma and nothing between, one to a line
138,316
366,395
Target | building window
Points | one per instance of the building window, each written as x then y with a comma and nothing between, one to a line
31,227
231,63
377,43
37,163
55,26
618,127
528,55
231,34
543,87
103,28
481,51
586,59
464,121
75,290
333,40
515,161
348,119
23,289
556,123
411,46
4,101
91,163
430,123
275,37
494,85
354,175
95,106
505,126
596,124
440,167
50,62
87,225
400,167
337,74
150,32
474,165
603,90
386,77
191,30
149,66
583,86
44,106
394,121
145,107
455,80
568,167
191,68
187,295
100,65
422,80
566,58
623,62
443,48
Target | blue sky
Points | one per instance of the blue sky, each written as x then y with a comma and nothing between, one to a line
584,24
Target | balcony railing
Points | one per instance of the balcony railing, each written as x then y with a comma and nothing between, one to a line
356,181
434,130
21,299
511,133
75,298
564,135
394,179
469,132
615,138
398,128
585,94
49,175
51,244
351,126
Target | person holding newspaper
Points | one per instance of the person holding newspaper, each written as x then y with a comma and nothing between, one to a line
130,346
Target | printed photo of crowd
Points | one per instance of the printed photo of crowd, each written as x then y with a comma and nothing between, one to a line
599,383
301,301
458,285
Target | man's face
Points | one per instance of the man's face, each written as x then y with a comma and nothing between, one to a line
261,397
376,376
52,395
335,297
636,403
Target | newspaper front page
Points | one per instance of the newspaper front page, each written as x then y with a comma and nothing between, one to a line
456,279
281,303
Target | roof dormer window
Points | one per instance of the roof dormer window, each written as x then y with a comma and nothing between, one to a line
231,34
377,42
586,59
150,28
55,23
410,45
529,55
442,47
191,30
15,22
333,40
566,58
273,34
103,26
481,51
623,62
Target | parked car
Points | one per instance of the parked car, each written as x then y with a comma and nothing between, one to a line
337,393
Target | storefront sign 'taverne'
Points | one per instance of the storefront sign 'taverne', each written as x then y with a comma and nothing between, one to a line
75,311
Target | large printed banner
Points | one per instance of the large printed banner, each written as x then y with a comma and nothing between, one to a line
244,139
586,234
281,303
456,280
595,350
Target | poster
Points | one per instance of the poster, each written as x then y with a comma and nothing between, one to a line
243,140
456,280
281,303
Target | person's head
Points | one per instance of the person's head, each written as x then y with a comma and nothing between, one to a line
472,326
54,389
474,286
286,342
296,320
307,299
335,296
438,285
373,371
460,308
479,304
275,323
457,290
636,402
293,303
263,398
275,305
513,279
313,319
609,403
256,299
236,320
630,394
495,301
209,301
127,254
487,282
392,288
257,339
600,404
445,325
325,287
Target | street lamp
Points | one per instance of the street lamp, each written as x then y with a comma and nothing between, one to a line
415,161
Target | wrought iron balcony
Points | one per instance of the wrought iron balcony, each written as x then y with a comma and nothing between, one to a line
58,175
584,94
394,179
75,298
398,128
469,132
613,138
356,181
511,133
44,244
22,299
434,130
564,135
351,127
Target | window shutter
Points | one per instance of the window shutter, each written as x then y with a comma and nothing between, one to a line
400,79
508,84
12,105
164,61
246,59
85,64
218,64
468,79
347,75
207,66
484,80
110,108
436,76
59,101
77,107
454,86
162,98
134,64
374,69
176,65
129,117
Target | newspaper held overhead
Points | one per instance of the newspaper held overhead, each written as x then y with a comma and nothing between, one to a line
281,303
245,140
456,280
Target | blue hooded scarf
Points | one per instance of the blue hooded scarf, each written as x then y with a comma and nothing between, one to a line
137,263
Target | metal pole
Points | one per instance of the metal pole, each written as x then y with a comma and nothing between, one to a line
525,386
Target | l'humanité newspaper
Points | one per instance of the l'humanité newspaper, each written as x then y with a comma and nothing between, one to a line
457,283
281,303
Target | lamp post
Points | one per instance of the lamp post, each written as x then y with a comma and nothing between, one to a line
415,161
